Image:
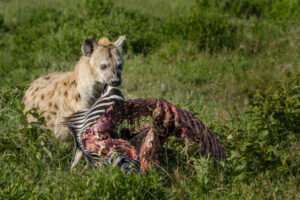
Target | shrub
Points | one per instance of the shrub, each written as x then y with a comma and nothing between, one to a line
31,143
266,137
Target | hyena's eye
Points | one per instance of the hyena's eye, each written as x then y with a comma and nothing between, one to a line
103,66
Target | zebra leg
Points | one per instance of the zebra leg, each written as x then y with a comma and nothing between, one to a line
128,165
78,157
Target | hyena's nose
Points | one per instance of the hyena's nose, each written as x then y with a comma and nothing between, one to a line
116,83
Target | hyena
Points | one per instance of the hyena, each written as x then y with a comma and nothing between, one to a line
61,94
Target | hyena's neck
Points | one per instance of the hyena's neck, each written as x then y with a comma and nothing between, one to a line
88,88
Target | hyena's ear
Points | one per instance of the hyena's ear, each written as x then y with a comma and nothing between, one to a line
119,42
88,46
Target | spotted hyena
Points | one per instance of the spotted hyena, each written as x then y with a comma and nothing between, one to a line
61,94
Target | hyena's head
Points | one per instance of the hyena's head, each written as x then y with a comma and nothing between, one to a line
106,59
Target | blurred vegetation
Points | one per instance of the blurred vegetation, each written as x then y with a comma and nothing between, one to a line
265,137
235,64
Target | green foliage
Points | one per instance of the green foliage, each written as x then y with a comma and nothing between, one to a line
178,154
119,186
47,24
207,29
276,9
29,144
266,137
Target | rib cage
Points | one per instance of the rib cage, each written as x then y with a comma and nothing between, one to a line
168,120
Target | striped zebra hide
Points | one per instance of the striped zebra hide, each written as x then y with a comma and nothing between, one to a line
82,120
145,144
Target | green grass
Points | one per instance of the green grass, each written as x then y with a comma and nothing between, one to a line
235,64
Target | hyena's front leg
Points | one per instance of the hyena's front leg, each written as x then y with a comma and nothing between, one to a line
61,132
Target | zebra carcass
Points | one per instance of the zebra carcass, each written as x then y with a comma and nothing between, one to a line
142,147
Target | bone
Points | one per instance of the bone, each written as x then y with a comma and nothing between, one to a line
147,142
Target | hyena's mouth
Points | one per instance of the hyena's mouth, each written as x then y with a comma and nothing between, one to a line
116,83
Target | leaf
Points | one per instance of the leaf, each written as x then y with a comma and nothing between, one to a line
241,167
48,153
283,162
233,155
263,134
297,105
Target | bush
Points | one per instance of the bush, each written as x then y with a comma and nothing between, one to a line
265,138
31,144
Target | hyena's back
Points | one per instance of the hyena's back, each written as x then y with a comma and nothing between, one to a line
57,95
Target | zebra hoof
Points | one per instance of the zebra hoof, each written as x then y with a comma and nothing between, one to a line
128,165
